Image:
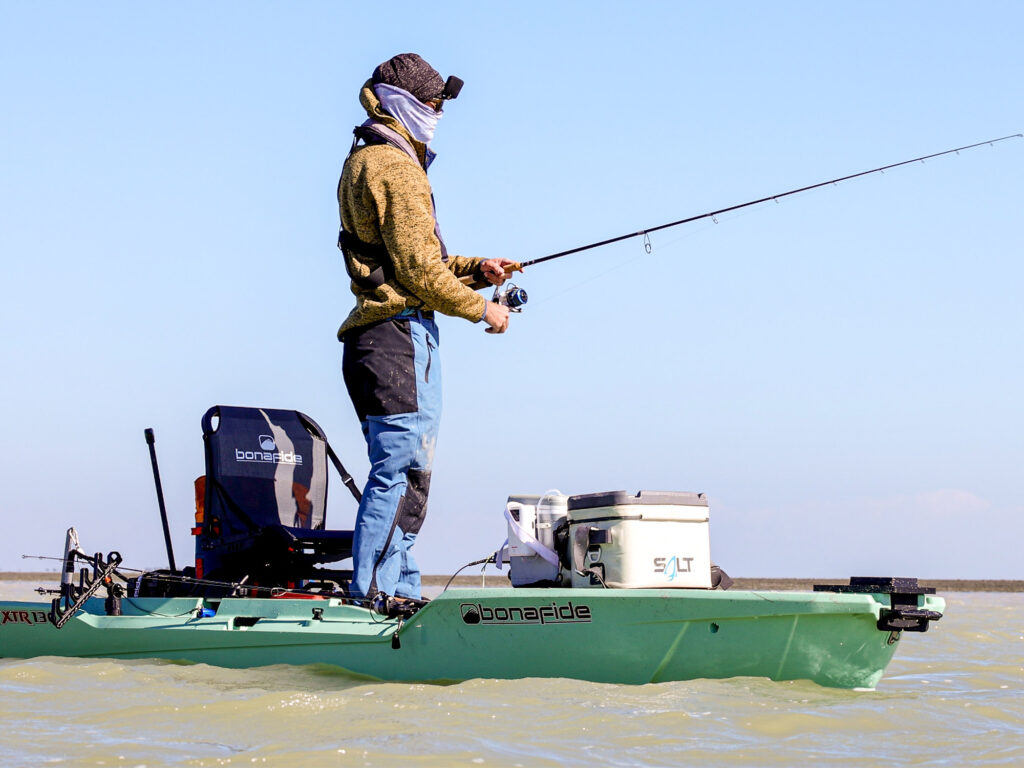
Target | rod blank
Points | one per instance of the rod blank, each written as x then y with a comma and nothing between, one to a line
776,197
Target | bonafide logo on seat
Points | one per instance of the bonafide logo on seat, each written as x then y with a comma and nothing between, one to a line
567,613
268,453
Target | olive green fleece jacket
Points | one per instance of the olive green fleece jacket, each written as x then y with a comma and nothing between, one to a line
384,198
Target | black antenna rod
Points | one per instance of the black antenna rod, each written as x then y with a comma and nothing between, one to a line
712,214
151,439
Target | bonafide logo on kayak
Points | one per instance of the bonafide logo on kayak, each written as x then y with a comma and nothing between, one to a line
569,613
268,453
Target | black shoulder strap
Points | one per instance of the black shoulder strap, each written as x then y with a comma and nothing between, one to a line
349,243
346,478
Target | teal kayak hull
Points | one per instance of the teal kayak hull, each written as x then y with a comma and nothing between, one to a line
609,636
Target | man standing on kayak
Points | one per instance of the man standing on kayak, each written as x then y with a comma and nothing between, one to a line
401,275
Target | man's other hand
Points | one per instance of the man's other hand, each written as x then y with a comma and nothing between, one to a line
496,317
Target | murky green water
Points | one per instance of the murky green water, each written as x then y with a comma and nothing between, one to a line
952,697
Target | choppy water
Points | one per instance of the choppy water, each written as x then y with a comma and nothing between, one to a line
951,697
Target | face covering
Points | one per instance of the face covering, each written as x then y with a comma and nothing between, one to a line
418,118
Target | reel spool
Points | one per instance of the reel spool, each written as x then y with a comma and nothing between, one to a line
512,297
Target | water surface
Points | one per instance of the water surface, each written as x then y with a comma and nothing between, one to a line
953,696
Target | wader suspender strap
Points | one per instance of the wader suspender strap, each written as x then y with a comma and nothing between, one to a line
372,132
346,478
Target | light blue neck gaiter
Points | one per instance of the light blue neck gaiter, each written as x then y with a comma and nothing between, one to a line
418,118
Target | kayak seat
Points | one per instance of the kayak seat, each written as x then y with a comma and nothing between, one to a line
262,505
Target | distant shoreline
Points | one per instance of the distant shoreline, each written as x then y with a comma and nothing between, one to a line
753,583
787,585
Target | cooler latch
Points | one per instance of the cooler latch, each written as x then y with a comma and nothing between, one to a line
599,536
586,552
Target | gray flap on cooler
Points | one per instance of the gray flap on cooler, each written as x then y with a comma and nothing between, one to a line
616,498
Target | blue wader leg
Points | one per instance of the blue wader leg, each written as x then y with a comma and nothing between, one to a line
401,452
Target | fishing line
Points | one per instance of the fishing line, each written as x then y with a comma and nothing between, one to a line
714,216
645,233
622,263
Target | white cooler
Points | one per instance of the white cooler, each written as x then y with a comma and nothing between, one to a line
653,539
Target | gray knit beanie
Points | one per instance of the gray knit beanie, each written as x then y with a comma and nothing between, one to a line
411,73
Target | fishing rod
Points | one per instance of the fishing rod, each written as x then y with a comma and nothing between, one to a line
514,297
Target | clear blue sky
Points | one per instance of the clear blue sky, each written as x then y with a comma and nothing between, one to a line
841,373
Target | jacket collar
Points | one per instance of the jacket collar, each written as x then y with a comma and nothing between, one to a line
374,111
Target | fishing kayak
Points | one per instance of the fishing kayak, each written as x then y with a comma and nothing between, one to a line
610,587
841,638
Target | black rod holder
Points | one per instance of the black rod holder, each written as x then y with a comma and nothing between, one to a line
151,441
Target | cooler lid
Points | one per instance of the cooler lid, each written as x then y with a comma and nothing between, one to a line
616,498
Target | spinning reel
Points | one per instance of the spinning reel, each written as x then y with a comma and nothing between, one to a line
512,296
